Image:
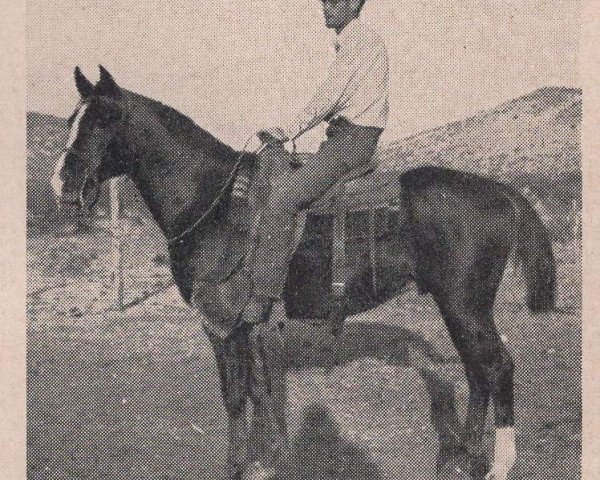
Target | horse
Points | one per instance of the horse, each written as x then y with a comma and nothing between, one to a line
461,228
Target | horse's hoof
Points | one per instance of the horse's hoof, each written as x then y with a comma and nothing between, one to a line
257,471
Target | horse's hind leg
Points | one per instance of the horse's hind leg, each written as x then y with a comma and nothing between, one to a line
489,371
466,304
232,362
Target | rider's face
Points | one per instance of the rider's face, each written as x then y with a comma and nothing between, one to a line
338,13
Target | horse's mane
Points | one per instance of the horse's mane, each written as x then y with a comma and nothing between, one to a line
186,131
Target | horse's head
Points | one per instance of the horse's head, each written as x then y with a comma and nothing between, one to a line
89,155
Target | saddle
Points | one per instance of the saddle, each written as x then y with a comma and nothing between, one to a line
355,210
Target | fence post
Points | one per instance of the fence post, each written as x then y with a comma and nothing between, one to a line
117,244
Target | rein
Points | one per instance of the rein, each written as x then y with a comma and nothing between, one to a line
179,238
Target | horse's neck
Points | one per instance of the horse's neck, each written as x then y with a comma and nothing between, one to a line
177,180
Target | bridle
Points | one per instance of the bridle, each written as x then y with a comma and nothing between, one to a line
89,175
171,242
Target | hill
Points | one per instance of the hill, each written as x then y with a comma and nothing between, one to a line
539,133
46,136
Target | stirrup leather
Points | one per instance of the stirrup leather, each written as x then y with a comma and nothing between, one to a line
339,243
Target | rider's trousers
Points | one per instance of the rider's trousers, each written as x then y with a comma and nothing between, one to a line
348,146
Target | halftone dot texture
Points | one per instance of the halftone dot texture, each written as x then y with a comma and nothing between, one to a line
136,395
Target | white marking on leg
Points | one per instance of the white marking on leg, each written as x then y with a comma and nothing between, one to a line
56,181
505,454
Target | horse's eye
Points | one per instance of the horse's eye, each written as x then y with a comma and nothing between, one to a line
107,119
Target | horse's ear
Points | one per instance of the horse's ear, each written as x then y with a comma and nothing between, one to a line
84,86
107,85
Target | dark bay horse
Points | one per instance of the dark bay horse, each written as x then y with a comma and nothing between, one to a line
462,229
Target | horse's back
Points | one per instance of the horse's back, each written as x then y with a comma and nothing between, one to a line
441,191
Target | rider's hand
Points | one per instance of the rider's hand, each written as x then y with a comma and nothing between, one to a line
272,135
296,162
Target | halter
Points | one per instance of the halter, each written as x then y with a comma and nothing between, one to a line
179,238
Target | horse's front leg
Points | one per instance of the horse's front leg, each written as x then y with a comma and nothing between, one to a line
232,357
268,394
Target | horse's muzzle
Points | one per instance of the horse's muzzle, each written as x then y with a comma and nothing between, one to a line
89,193
83,199
68,199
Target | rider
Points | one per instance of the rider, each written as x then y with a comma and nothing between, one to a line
354,101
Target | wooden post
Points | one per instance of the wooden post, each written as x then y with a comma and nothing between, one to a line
117,244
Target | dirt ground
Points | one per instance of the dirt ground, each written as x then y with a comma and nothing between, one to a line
135,395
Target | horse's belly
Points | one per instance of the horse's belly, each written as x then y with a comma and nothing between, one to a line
308,293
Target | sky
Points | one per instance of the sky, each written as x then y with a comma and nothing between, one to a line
235,66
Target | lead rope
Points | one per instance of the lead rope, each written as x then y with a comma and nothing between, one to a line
179,238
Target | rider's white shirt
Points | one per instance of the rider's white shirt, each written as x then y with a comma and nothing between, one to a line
356,86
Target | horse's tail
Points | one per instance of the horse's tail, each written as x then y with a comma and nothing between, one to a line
533,251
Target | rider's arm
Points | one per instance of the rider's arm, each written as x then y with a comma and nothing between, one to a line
330,96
